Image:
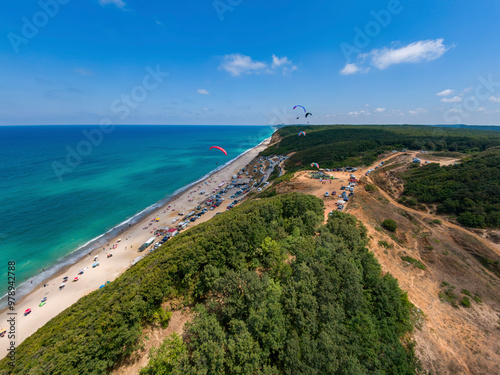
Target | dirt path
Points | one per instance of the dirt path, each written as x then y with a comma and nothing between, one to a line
494,247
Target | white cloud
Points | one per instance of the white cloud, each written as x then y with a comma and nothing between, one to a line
447,92
417,111
481,109
284,63
119,3
380,110
350,69
277,62
455,99
237,64
495,99
426,50
203,92
357,113
423,50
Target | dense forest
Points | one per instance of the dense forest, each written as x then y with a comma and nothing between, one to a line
273,291
469,190
345,145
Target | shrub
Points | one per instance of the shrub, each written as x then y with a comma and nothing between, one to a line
370,188
385,244
465,302
163,359
466,292
390,225
478,299
414,261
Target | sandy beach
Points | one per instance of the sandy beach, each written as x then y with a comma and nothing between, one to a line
127,249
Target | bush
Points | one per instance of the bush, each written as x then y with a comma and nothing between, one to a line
162,360
466,292
390,225
385,244
370,188
465,302
414,261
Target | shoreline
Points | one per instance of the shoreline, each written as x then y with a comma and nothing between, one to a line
128,236
28,285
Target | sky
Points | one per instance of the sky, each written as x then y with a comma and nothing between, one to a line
249,62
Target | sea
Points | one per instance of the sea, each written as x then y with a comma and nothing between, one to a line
63,189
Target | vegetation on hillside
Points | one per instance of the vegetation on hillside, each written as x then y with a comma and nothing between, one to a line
340,146
273,290
469,190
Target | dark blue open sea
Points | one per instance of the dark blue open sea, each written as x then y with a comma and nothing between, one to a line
63,186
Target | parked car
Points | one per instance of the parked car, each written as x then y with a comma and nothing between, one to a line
334,193
342,188
327,194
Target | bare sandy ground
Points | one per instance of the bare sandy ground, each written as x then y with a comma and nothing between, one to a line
110,268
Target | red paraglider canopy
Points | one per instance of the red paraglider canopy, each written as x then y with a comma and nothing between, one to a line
219,148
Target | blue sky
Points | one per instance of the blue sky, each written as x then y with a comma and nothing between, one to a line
249,62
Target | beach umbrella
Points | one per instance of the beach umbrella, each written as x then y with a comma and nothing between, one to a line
102,286
75,279
41,304
61,286
28,311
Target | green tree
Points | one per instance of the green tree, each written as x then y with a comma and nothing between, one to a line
390,225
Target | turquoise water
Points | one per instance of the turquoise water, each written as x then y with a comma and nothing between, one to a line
52,204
